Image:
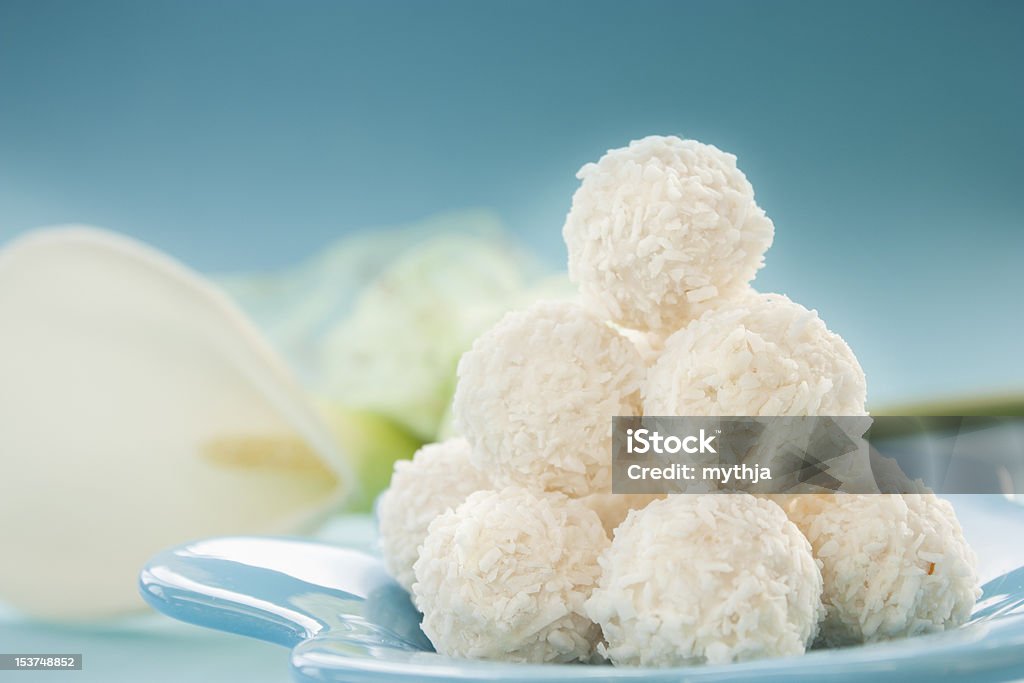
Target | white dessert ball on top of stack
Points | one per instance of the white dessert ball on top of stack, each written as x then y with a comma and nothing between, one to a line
506,574
536,395
663,230
895,565
713,578
438,477
761,354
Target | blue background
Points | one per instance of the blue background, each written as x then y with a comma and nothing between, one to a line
884,139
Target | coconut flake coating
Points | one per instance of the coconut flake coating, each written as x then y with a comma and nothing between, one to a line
761,355
613,508
438,478
648,344
536,395
505,575
713,578
894,565
662,230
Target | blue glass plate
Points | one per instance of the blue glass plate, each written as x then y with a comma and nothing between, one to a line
344,619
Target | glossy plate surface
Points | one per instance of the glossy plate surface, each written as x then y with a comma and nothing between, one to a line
346,620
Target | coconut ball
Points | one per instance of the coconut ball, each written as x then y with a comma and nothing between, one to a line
662,230
760,355
712,578
504,576
536,395
894,565
612,508
439,477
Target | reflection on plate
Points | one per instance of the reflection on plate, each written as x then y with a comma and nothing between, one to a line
346,620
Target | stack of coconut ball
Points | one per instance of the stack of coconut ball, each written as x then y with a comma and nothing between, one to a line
510,540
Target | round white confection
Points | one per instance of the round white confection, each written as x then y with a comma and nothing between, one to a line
760,355
505,575
439,477
536,395
662,230
712,578
894,565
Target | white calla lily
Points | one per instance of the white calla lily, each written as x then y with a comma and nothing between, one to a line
139,408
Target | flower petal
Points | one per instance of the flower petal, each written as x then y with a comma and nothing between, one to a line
139,408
